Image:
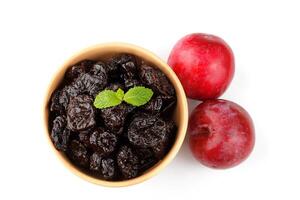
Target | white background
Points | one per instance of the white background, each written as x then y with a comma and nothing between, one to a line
36,37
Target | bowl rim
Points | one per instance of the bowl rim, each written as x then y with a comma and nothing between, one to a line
181,132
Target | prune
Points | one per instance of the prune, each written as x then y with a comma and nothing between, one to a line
105,167
128,162
115,86
95,161
99,69
155,79
59,101
80,113
60,98
114,117
71,91
160,150
126,64
89,84
154,105
171,126
84,138
60,134
161,104
147,130
146,158
163,146
131,83
78,153
77,69
103,141
169,104
108,168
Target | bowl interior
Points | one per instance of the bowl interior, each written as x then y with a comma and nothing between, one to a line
102,52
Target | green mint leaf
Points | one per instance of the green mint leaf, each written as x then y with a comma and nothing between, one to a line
138,95
108,98
120,94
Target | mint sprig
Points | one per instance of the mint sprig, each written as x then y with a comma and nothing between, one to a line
107,98
136,96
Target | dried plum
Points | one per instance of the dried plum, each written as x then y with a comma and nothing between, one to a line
71,91
147,130
126,62
131,83
95,161
60,98
155,79
146,158
60,134
169,106
84,138
80,113
128,162
114,117
163,146
105,167
59,101
89,84
103,141
154,105
78,153
99,69
127,66
74,71
108,168
115,86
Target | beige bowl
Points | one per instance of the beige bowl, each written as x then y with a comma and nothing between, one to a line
103,51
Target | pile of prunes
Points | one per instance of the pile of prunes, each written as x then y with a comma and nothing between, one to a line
115,143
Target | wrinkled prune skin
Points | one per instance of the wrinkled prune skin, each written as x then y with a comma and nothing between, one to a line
71,91
146,158
84,138
60,134
80,113
89,84
163,146
169,106
78,153
59,101
105,167
154,105
115,86
99,69
95,161
108,168
84,83
155,79
128,162
129,83
74,71
147,130
127,66
114,117
103,141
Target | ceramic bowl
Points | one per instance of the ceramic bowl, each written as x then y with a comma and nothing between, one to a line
100,52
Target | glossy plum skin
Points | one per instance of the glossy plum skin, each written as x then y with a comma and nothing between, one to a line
221,134
204,64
